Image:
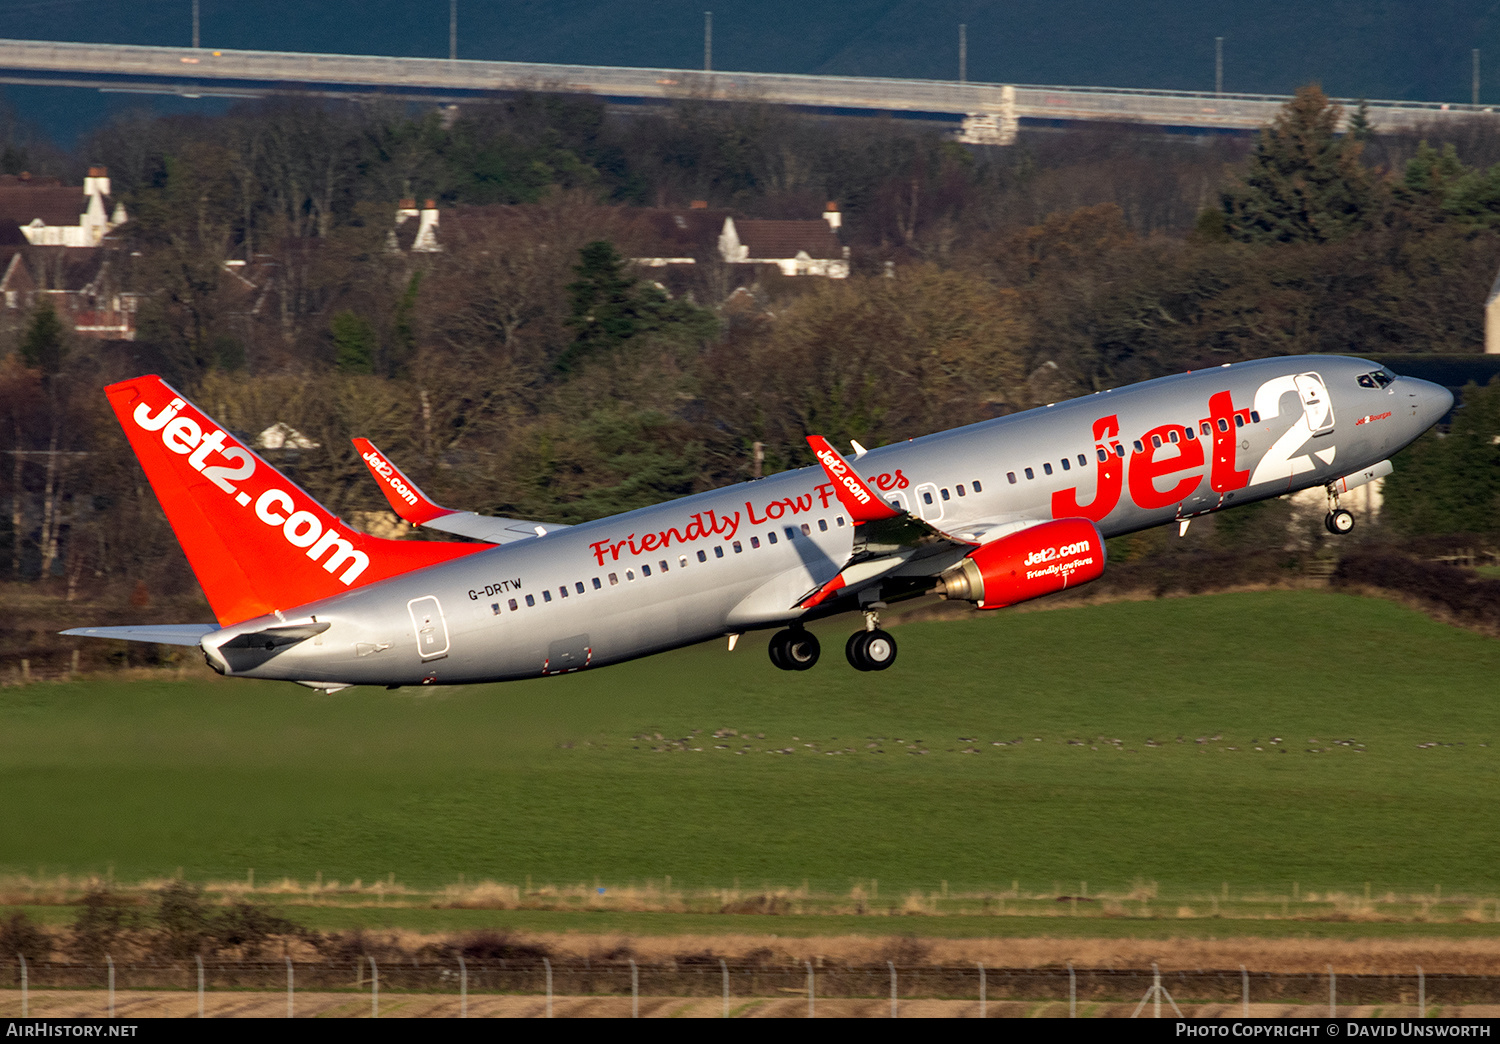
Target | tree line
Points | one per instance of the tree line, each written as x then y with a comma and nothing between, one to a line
528,369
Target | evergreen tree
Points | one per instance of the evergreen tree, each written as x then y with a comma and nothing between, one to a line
43,348
354,343
1303,183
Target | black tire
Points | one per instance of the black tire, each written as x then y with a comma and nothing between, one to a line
1340,522
854,651
777,650
801,650
878,650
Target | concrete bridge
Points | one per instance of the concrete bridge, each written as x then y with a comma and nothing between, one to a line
990,112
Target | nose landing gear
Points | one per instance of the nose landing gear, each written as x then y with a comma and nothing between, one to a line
1339,521
871,649
794,649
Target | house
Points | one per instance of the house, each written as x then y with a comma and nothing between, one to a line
415,231
670,237
50,213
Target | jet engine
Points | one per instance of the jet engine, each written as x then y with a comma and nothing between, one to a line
1037,561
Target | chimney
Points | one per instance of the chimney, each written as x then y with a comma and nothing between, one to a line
832,216
426,241
698,204
407,208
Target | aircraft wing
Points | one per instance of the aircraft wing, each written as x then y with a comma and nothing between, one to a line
415,507
886,538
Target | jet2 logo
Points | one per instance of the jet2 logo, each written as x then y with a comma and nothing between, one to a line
388,475
1047,554
184,435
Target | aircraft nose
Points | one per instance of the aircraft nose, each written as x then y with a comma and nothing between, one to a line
1430,402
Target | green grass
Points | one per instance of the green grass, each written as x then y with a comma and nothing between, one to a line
543,779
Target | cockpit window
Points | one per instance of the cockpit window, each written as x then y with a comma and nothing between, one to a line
1379,379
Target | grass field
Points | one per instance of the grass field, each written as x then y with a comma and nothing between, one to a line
1112,745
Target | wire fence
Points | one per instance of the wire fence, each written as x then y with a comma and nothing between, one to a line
722,977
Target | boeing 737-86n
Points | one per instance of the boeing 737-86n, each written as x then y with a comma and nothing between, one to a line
993,513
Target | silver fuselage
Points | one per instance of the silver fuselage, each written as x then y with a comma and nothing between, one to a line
706,565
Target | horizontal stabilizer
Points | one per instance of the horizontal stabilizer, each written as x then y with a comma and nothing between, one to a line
161,634
418,509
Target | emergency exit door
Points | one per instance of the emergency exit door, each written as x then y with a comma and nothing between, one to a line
431,629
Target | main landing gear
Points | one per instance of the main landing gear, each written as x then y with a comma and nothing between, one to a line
1339,521
794,649
871,649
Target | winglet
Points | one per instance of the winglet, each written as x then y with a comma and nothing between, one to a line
409,502
858,499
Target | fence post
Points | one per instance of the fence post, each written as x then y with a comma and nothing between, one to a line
892,966
1244,992
111,962
548,963
1421,994
981,988
811,1011
1332,993
289,988
199,958
1156,989
24,1006
725,966
635,991
374,989
463,988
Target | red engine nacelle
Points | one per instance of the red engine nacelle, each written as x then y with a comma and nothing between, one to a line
1025,565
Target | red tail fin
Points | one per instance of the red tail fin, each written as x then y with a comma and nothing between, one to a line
255,540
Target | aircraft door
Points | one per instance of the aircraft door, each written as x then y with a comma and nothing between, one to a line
929,502
1316,405
431,629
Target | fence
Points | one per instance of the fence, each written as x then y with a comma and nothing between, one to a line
722,978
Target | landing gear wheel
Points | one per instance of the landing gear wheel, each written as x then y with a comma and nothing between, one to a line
871,650
1339,521
794,649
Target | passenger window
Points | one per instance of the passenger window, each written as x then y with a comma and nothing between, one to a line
702,556
959,489
737,548
771,536
1255,416
682,561
562,592
1012,476
791,534
1223,424
1156,442
495,608
598,585
1191,433
718,550
1047,468
1083,461
1172,435
546,596
513,605
1138,447
579,585
839,521
531,599
613,579
822,525
806,529
645,571
663,564
1030,474
978,488
1239,420
755,541
927,498
1103,455
1119,451
944,492
1207,431
1067,464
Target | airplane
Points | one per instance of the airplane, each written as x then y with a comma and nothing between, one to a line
993,513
